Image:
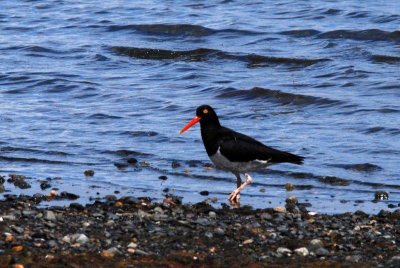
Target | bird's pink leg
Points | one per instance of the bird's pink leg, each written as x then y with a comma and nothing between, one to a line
234,197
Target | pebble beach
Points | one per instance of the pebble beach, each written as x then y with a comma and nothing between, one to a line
133,231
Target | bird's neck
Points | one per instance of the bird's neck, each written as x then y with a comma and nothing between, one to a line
209,134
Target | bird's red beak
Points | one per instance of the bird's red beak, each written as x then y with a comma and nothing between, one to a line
192,122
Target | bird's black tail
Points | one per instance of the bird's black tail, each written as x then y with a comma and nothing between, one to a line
296,159
292,158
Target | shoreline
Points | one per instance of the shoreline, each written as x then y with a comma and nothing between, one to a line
136,232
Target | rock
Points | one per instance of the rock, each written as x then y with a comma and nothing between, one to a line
110,253
280,209
52,244
158,210
302,251
289,187
69,196
204,193
321,252
132,245
355,258
50,216
219,231
132,161
266,216
248,241
315,244
17,229
212,214
163,178
45,185
141,252
89,173
203,221
292,200
28,213
395,261
281,251
208,234
18,181
75,238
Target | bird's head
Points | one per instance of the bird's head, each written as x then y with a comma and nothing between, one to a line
205,114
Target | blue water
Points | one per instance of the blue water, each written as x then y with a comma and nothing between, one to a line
89,85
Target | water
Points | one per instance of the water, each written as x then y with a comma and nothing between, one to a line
87,85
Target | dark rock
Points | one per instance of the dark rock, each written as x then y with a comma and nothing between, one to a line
163,178
76,206
132,161
110,198
69,196
205,193
89,173
129,200
120,165
18,181
45,185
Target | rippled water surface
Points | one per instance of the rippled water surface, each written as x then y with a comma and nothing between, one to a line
90,85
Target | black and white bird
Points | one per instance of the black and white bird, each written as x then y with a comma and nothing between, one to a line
235,152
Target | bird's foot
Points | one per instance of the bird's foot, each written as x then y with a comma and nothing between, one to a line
234,197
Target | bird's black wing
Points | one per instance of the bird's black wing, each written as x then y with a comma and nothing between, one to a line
238,147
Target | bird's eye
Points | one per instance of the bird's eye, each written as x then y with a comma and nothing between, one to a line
205,111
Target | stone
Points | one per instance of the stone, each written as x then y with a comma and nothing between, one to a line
208,234
281,251
110,253
315,244
321,252
17,229
303,251
355,258
50,216
132,245
212,214
89,173
280,209
266,216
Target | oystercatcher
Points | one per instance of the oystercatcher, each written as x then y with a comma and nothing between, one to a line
235,152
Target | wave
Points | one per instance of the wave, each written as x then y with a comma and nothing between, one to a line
364,167
176,29
277,96
203,54
364,35
385,59
30,150
33,160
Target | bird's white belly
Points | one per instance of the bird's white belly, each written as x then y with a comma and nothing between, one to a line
222,162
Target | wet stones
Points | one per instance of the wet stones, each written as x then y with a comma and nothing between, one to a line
19,181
